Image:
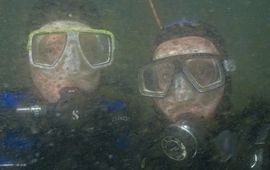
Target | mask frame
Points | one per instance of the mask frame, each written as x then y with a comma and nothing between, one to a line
70,30
175,61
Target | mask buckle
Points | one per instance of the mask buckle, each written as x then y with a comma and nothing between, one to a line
229,65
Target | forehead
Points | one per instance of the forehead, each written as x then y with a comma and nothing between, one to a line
64,25
184,45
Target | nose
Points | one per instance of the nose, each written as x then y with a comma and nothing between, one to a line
182,90
72,62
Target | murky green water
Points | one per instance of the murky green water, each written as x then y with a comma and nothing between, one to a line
243,24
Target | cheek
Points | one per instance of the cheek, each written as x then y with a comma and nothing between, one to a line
49,88
211,98
88,84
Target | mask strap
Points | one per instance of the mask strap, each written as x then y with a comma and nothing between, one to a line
229,65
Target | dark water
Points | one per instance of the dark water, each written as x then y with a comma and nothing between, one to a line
244,25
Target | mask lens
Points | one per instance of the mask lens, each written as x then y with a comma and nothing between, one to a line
96,48
48,48
203,72
157,78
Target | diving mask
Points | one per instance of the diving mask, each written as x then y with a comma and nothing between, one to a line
50,45
204,72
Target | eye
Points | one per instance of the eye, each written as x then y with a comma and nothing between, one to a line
47,48
164,73
204,71
157,77
96,47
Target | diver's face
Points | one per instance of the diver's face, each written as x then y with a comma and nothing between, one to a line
182,98
70,72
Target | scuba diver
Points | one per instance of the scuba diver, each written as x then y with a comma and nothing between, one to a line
189,80
72,126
